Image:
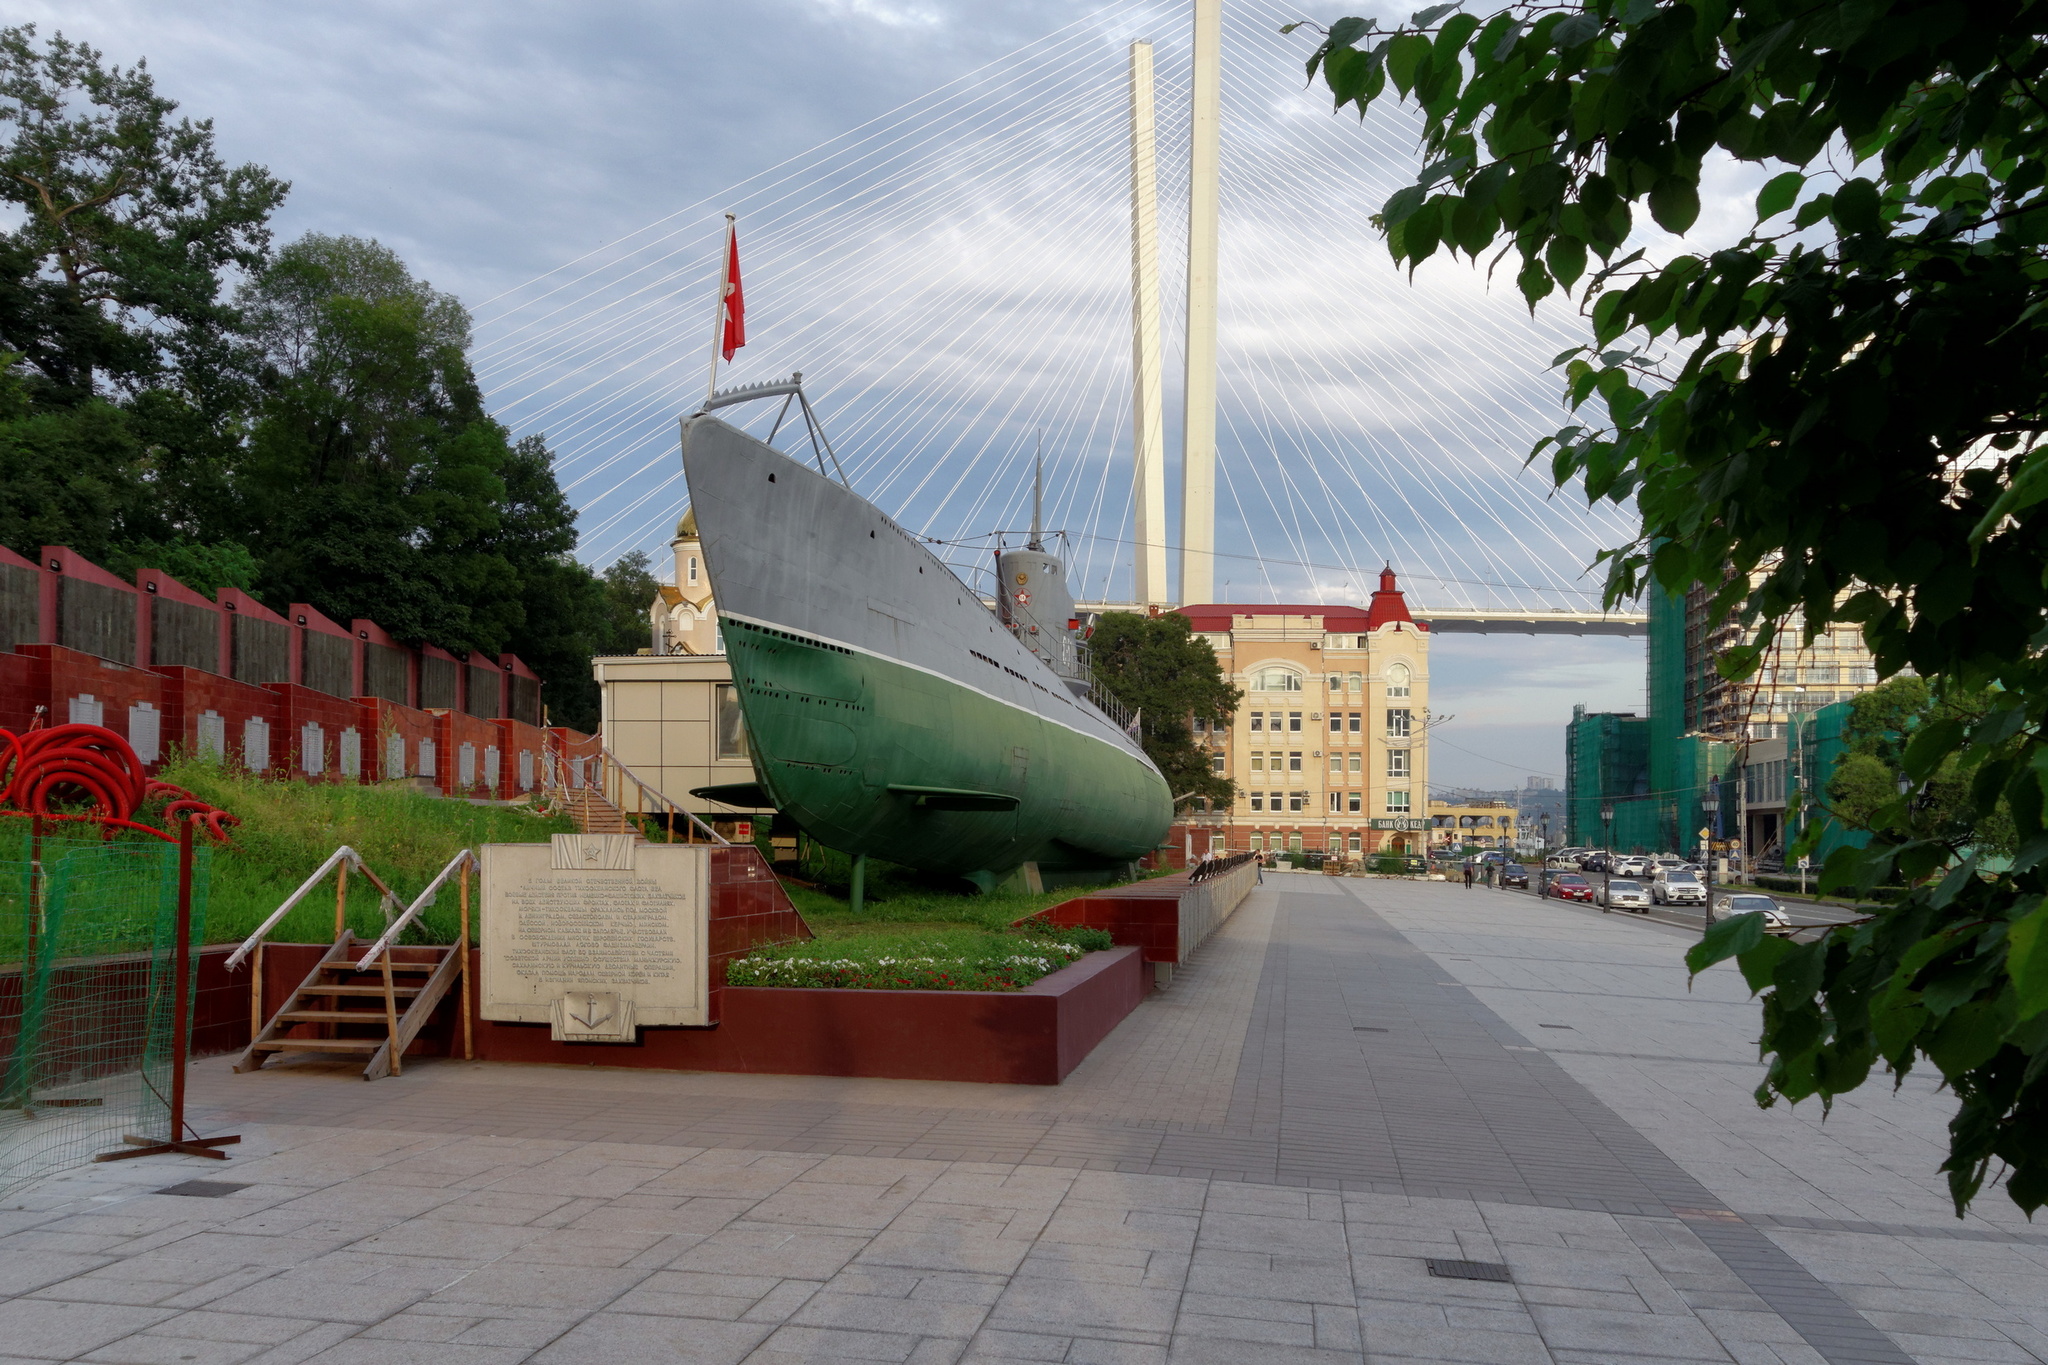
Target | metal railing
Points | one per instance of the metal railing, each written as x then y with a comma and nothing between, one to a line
1216,867
1105,701
615,779
611,781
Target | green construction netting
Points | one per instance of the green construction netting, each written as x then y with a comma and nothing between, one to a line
87,934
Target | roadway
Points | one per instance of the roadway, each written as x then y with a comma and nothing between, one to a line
1804,914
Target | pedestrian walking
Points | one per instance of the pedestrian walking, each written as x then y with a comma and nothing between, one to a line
1468,874
1489,876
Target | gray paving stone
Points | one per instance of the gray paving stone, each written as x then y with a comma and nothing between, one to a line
1463,1344
1227,1351
147,1349
826,1344
919,1317
996,1344
59,1330
609,1338
1078,1306
206,1324
363,1350
744,1249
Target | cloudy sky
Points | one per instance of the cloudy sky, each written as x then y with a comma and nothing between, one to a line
561,168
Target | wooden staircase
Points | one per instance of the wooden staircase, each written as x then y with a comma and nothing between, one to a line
593,814
396,996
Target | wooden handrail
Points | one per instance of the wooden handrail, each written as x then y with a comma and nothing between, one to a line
343,856
464,859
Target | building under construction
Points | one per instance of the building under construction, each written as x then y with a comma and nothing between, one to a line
1702,731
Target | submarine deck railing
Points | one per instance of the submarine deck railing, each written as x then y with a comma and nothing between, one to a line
608,777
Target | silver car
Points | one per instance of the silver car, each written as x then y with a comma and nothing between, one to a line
1677,886
1752,902
1623,895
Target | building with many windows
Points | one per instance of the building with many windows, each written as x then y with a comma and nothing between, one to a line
1457,825
1329,747
1707,765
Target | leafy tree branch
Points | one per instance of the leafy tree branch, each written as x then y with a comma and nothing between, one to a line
1837,417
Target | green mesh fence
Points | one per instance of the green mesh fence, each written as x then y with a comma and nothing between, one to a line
87,984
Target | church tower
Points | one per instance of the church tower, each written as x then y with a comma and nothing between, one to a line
682,615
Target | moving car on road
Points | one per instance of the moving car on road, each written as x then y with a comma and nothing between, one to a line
1571,886
1626,895
1751,902
1678,886
1514,874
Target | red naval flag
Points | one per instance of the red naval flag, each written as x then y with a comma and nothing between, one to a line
735,302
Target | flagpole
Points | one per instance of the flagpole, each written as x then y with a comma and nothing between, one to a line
718,313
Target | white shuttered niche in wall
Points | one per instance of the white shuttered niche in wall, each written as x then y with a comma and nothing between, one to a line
145,731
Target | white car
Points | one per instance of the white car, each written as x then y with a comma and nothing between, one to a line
1678,886
1632,865
1751,902
1625,895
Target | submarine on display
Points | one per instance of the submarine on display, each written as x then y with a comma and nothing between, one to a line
889,711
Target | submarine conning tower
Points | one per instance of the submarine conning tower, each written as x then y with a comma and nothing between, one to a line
1035,602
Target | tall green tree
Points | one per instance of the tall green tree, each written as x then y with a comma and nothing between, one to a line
1838,414
629,590
127,368
1158,668
377,485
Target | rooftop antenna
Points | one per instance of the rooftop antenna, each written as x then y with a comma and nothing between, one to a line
1038,496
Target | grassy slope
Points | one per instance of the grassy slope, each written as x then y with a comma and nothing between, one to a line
288,828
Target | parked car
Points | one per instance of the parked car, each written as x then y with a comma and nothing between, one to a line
1678,886
1626,895
1514,874
1752,902
1571,886
1630,865
1415,862
1596,861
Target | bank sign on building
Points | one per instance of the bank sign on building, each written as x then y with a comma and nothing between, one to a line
1328,750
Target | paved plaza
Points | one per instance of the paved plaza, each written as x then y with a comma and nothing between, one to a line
1356,1078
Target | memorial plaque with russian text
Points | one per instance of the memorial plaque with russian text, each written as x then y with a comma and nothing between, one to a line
596,916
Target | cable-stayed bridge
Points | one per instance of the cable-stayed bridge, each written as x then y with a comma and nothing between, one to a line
955,279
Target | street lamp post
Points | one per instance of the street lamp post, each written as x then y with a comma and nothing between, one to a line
1710,802
1607,863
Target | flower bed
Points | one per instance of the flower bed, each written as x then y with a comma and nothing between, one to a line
951,962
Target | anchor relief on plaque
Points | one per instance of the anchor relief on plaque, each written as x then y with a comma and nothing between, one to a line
593,1017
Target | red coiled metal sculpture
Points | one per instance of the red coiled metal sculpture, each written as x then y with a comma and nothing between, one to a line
51,773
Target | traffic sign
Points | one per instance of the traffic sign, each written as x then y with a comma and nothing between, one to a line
1706,834
1805,863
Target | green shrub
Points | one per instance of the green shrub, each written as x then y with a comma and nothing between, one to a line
962,960
1080,936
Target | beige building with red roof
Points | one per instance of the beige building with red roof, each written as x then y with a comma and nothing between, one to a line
1329,749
